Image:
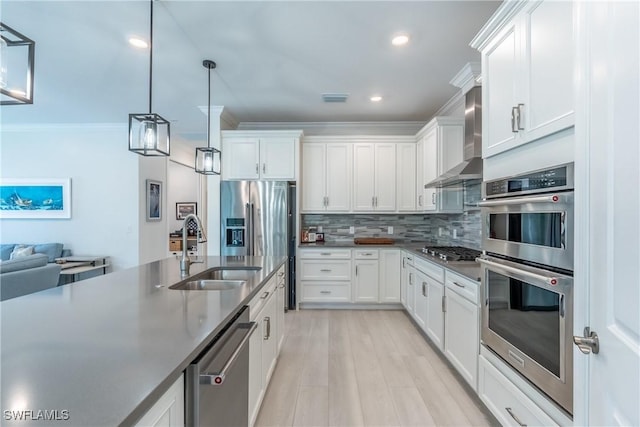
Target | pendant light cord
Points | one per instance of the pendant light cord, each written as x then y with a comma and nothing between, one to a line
209,112
150,54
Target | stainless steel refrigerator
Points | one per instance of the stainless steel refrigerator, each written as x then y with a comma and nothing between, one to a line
258,218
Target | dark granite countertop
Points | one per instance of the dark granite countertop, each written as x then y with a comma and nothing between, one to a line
105,349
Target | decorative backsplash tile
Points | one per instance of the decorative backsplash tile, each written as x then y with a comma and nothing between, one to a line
434,229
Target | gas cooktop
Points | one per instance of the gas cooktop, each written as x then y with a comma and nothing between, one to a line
452,253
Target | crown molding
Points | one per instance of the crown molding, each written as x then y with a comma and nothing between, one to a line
339,128
359,138
496,23
227,120
466,78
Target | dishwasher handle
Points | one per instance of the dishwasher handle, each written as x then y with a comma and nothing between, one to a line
218,378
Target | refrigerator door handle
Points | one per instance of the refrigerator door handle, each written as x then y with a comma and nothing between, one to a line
248,227
253,230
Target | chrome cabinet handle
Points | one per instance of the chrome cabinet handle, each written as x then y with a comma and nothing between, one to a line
325,270
267,335
404,259
264,168
366,254
411,278
510,411
218,378
589,343
325,292
325,253
376,198
420,200
459,285
373,202
424,292
433,198
356,270
513,120
327,201
519,116
444,304
265,295
257,168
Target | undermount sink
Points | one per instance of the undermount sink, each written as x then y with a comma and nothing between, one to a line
218,279
208,285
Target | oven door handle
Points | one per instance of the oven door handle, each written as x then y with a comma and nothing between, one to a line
551,198
218,378
548,280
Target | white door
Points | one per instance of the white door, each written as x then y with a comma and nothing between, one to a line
363,177
435,313
277,158
339,167
390,275
385,177
607,384
430,168
366,281
461,344
421,306
411,286
240,158
313,177
501,75
406,177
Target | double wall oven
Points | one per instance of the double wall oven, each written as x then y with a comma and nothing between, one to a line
527,277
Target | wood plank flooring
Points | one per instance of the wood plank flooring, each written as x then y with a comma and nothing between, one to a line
364,368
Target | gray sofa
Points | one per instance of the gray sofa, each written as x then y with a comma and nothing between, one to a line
32,273
26,275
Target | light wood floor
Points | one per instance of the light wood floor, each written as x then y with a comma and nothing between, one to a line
364,368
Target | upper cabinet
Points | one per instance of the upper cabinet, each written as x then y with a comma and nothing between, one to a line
527,67
326,176
260,155
374,177
406,176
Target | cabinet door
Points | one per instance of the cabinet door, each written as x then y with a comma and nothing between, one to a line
500,69
461,344
430,168
240,159
390,275
385,177
411,294
451,147
363,177
366,281
314,163
420,175
168,411
338,173
435,313
404,282
280,301
269,338
421,307
277,158
548,72
406,177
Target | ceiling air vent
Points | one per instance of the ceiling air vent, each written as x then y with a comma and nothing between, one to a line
335,97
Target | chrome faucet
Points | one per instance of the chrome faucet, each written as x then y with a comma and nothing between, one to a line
185,262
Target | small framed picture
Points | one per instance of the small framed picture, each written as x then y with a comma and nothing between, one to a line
185,208
154,200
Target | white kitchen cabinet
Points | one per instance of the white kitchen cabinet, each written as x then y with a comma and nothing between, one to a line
374,177
407,262
406,177
411,290
168,411
421,299
462,326
420,190
324,275
366,280
267,328
435,311
280,302
390,275
255,155
326,177
528,73
440,146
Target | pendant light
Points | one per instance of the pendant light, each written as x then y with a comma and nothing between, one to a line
17,53
148,132
208,158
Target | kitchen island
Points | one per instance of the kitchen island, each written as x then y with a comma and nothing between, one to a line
100,352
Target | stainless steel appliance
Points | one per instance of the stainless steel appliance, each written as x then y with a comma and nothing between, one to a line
527,277
217,382
258,218
451,253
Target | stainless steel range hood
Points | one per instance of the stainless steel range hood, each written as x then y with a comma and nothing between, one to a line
470,170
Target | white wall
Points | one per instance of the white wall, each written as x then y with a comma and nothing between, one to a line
153,235
183,186
104,187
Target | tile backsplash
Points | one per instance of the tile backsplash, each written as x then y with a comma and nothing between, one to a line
434,229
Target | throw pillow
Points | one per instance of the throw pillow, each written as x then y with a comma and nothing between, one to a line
21,251
52,250
5,250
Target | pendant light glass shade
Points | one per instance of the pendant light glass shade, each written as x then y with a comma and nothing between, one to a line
17,54
208,159
149,133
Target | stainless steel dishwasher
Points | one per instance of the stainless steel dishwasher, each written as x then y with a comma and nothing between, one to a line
217,382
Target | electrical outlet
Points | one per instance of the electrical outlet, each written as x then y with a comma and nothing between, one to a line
455,233
390,230
439,231
319,229
352,230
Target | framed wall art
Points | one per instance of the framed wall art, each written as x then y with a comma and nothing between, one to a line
185,208
154,200
26,198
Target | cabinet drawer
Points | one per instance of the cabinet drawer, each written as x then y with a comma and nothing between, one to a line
507,403
430,269
468,289
322,292
313,269
263,295
365,254
325,254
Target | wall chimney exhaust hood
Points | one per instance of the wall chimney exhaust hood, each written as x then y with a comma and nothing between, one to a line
470,170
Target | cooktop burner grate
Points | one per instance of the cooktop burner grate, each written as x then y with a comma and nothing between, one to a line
452,253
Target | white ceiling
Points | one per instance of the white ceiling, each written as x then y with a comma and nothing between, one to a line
275,59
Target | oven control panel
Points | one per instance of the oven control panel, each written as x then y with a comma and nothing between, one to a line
542,181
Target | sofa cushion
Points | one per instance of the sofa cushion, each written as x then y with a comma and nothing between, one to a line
21,251
5,250
52,250
22,263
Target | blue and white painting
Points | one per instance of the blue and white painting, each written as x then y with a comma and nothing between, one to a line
35,198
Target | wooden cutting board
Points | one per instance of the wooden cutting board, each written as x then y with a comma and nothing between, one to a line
373,241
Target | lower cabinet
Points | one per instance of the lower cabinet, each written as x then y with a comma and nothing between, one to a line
280,302
366,281
168,411
390,275
420,288
435,311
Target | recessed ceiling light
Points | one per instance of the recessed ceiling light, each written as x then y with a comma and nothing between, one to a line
376,98
400,40
139,43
